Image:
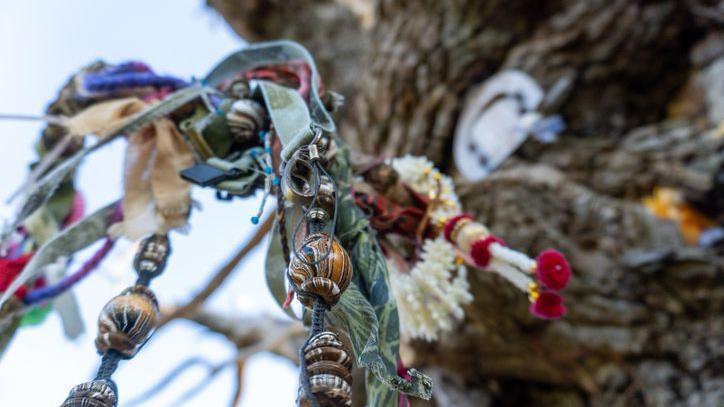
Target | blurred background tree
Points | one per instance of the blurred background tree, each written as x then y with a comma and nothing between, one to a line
641,87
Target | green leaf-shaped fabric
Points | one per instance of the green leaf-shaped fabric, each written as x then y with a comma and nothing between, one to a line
368,308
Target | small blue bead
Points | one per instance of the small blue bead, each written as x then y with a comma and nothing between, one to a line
275,181
268,150
268,170
255,220
253,153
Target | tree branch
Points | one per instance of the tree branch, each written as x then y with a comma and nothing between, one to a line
221,275
250,335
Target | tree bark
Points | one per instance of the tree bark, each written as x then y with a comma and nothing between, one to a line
644,324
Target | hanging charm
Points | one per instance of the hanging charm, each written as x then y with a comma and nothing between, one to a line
328,367
125,325
127,321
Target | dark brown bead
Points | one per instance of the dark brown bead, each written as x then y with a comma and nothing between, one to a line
152,255
329,366
322,270
98,393
127,321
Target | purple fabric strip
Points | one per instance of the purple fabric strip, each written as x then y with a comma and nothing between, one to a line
52,291
111,82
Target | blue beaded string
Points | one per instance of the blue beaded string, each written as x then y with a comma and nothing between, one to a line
270,179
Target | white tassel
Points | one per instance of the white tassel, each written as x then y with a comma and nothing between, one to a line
511,274
514,258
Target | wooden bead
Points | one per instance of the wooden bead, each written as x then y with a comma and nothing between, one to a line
98,393
325,338
329,367
331,390
329,353
152,255
320,271
127,321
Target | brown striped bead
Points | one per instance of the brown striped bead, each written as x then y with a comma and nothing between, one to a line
324,275
331,390
127,321
329,367
329,353
98,393
152,255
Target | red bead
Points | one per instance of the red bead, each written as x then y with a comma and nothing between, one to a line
480,251
553,270
549,305
450,225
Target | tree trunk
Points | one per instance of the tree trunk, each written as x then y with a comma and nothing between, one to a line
644,324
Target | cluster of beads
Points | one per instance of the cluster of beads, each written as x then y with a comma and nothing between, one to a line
328,367
319,272
550,268
125,324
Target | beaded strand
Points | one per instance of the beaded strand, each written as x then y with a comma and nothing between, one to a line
126,323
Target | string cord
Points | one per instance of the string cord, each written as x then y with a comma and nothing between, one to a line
108,366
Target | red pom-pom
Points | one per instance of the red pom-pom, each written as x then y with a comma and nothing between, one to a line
553,270
9,270
450,225
549,305
480,251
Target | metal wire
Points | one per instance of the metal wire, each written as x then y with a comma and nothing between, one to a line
317,168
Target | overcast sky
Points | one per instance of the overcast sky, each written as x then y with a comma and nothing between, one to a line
42,43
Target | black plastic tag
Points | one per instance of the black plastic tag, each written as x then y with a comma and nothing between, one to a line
204,175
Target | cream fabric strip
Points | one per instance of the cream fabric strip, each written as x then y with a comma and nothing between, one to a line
155,199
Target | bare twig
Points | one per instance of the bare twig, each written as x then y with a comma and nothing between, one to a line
239,382
254,334
249,335
170,377
193,391
221,275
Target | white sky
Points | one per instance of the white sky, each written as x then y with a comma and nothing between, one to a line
41,44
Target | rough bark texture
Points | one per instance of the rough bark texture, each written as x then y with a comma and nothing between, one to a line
645,324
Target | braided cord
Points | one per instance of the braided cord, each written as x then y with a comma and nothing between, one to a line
109,364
